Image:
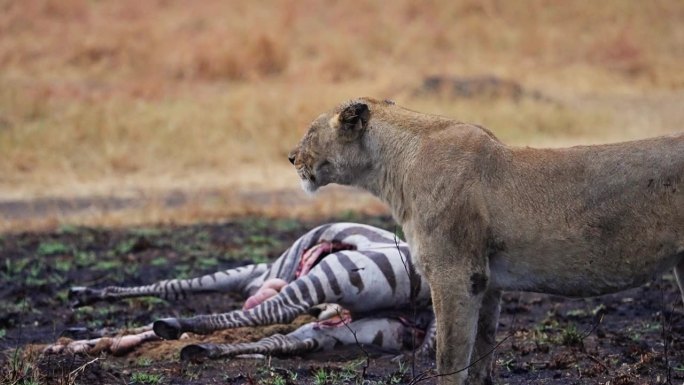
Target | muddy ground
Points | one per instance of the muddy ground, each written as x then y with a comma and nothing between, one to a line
635,337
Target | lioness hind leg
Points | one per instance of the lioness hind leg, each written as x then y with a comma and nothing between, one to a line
679,275
485,341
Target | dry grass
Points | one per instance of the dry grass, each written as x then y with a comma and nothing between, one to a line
113,97
215,206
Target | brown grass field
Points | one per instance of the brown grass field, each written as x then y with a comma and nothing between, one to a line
138,98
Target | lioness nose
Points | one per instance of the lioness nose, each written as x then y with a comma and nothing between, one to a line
291,157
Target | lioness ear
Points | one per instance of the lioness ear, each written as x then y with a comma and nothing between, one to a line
354,119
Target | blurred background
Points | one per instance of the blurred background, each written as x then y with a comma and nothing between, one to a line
126,112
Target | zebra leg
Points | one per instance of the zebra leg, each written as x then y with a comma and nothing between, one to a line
80,333
275,344
295,299
116,345
381,333
232,280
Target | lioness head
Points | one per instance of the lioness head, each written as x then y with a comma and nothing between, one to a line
334,150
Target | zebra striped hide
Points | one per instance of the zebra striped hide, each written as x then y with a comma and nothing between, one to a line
366,271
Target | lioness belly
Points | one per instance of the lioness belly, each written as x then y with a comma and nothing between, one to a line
580,275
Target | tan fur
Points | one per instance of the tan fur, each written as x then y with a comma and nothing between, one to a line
482,217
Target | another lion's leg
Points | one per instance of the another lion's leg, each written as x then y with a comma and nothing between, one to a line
679,275
456,309
486,338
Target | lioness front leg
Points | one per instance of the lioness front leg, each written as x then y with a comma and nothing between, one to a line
457,303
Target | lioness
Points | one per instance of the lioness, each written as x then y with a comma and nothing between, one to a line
482,217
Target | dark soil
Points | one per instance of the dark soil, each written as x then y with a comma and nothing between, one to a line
635,337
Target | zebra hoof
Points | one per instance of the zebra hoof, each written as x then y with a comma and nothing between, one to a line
82,296
195,353
167,328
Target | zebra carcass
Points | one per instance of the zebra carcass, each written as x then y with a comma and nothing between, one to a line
367,272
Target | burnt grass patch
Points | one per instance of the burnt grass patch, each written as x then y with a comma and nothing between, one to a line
634,337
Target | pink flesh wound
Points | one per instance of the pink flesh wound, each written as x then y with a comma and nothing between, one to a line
312,255
270,288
